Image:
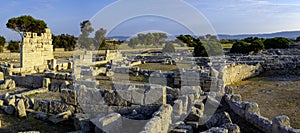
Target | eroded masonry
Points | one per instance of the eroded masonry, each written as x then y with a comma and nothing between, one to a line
193,98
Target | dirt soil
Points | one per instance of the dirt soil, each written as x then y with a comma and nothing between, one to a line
276,94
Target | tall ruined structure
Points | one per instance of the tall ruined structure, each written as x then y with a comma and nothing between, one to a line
36,50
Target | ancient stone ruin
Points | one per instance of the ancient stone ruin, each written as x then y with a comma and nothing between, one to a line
186,100
36,50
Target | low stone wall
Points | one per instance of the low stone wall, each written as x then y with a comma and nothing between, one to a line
237,72
29,81
251,113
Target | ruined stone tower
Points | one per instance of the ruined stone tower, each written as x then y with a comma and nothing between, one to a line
36,50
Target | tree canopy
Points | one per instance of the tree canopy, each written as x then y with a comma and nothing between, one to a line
13,46
298,39
169,48
148,39
203,46
2,41
65,41
26,23
277,42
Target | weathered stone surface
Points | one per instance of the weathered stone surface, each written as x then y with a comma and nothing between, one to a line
155,96
1,103
232,128
177,108
89,96
165,113
8,84
228,90
41,106
82,122
111,123
60,117
281,121
251,108
236,97
138,96
20,108
9,109
216,120
46,82
1,76
194,115
41,116
69,96
56,107
216,130
154,125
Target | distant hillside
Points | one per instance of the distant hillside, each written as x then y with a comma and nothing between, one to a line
287,34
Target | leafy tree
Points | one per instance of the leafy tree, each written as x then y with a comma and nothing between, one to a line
26,23
169,48
84,41
2,41
256,46
159,38
13,46
298,39
277,42
188,39
99,39
64,41
199,50
133,42
224,41
240,47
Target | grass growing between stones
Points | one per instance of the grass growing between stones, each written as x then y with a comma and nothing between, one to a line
275,95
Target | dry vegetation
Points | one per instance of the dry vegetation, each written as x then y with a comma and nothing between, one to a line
275,95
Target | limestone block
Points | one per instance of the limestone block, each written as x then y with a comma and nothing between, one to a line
216,130
1,76
46,82
185,101
194,115
60,117
217,120
41,106
125,94
280,121
1,102
56,107
82,122
8,109
251,108
89,96
111,123
20,108
185,90
156,96
154,125
69,96
232,128
93,110
236,97
165,113
138,96
177,108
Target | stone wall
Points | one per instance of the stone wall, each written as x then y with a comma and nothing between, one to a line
36,50
29,81
236,72
251,113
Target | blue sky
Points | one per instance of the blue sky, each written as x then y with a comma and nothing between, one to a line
214,16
